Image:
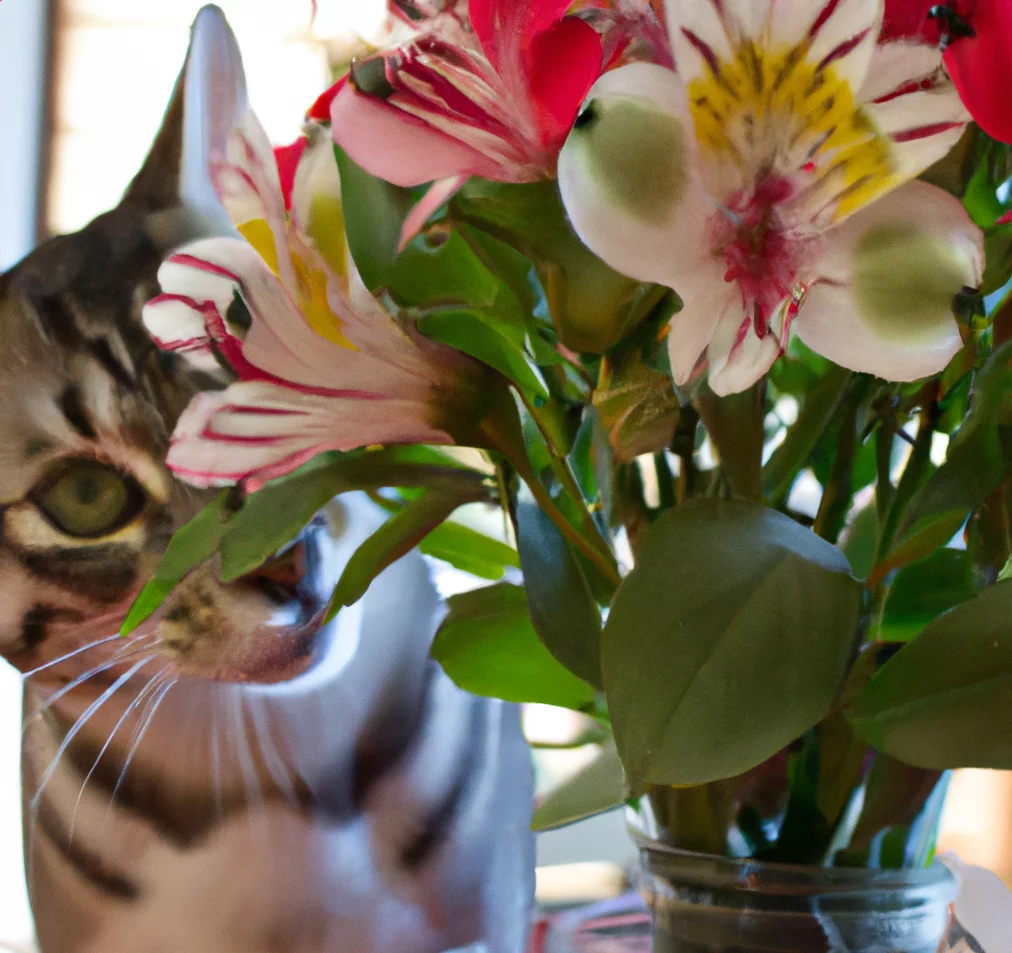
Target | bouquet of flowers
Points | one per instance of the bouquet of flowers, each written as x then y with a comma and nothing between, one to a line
715,294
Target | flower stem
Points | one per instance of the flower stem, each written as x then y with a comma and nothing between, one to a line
500,430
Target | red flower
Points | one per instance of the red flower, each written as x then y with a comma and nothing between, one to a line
977,39
493,93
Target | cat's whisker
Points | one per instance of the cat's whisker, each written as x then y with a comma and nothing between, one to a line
82,721
159,697
276,767
150,691
216,755
119,658
108,741
70,655
250,780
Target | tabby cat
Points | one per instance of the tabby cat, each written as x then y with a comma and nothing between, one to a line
232,778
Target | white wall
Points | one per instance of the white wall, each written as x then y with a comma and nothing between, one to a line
22,34
22,45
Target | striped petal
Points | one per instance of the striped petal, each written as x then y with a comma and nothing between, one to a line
399,147
265,335
629,183
263,429
913,103
884,302
738,356
708,35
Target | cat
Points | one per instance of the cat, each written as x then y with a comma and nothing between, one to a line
232,778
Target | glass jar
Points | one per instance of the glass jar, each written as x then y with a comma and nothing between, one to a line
707,904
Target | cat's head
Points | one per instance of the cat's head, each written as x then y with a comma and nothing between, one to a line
87,406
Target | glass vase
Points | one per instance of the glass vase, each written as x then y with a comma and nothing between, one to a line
708,904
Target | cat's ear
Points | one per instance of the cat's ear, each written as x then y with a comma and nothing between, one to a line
210,95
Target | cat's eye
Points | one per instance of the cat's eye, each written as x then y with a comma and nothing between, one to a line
87,498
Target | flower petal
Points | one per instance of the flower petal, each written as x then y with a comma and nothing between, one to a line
699,36
914,104
278,341
628,179
315,203
884,303
844,34
398,147
504,27
691,329
257,427
438,194
981,67
896,67
563,63
287,158
737,355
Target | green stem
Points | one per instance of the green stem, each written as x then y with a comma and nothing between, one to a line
735,426
839,489
913,476
910,481
567,480
500,430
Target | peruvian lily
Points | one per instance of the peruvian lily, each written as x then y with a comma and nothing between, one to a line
630,30
765,183
493,94
320,364
976,38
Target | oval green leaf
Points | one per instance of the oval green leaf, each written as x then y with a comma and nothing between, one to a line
729,639
488,646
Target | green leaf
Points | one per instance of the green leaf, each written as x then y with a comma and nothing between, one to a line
560,599
729,640
191,544
592,306
397,536
443,270
860,540
277,513
488,646
374,212
595,788
469,331
470,551
942,701
922,592
978,458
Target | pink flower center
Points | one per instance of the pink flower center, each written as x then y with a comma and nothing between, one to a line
759,253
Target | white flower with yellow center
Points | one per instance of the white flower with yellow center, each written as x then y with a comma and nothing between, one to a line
768,183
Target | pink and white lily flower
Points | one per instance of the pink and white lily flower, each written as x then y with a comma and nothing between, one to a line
768,183
492,92
321,365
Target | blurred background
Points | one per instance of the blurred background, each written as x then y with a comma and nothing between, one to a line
82,87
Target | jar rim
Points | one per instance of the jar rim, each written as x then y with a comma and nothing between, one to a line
712,870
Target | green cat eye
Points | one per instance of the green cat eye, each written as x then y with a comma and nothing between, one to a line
88,499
